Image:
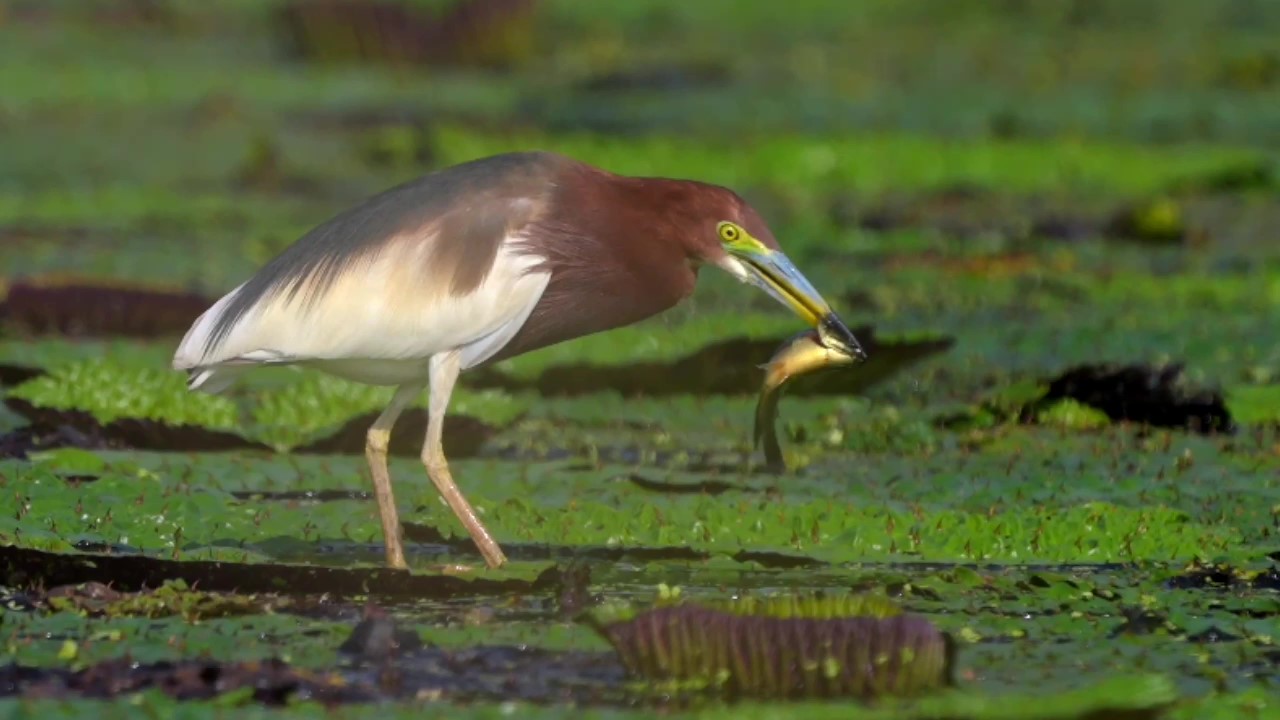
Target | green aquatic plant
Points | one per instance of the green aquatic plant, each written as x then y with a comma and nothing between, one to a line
1159,220
1255,404
781,647
174,598
111,390
871,161
289,414
813,606
283,415
1072,415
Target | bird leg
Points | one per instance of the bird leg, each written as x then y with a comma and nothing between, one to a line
444,374
375,452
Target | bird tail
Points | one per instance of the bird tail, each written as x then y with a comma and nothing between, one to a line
213,379
210,372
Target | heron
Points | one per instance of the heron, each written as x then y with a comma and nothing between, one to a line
475,263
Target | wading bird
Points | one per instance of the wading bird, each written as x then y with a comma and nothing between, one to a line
475,263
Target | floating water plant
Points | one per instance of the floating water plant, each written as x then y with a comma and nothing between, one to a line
860,646
111,390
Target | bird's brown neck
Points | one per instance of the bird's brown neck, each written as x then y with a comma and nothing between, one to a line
615,252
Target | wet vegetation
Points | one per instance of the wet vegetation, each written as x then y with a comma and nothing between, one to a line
1054,223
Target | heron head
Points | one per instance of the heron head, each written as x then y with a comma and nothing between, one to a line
744,247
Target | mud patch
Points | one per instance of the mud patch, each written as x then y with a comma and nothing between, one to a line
132,573
135,433
55,427
171,599
14,375
1156,396
475,674
704,487
20,443
382,661
84,309
1092,395
1226,577
428,535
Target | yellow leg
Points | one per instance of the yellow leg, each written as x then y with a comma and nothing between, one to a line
375,452
444,374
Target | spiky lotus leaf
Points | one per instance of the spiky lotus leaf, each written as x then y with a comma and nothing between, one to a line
811,606
780,647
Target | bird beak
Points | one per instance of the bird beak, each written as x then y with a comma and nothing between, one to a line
773,272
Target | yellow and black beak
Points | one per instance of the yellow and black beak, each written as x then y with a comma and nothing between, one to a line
773,272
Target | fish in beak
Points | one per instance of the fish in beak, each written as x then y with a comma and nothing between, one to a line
772,271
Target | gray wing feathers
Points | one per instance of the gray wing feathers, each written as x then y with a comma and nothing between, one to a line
465,210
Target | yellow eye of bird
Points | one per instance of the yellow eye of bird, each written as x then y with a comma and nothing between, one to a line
728,232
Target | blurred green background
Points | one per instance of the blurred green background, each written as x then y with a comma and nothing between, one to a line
1040,184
